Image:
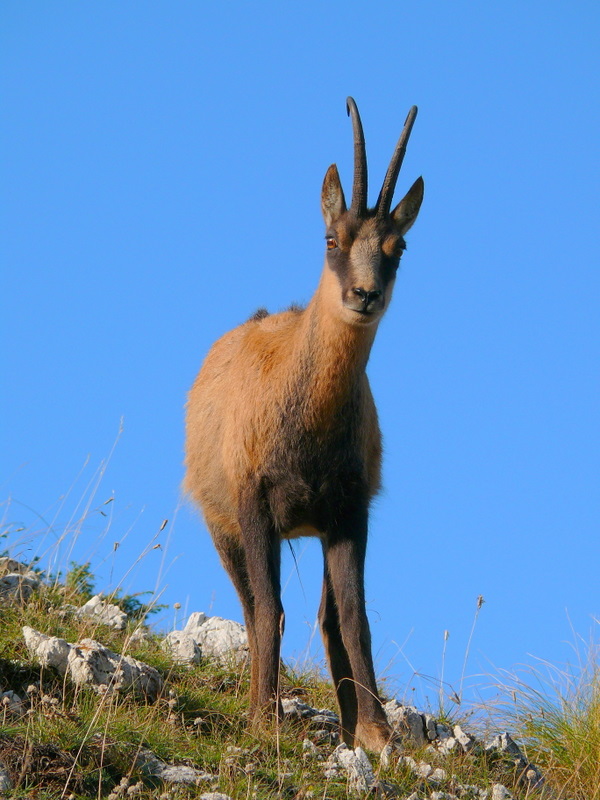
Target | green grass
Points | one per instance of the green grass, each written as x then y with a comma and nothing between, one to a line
72,742
75,743
555,714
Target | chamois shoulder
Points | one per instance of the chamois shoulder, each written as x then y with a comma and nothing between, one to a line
262,313
261,342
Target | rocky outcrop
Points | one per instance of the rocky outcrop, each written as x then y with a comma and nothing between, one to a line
89,663
103,612
17,581
355,765
219,639
182,648
212,638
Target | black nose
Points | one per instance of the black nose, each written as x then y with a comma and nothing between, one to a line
367,297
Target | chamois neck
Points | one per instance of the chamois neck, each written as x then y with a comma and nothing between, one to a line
333,353
332,338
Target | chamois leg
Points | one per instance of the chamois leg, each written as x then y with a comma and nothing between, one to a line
345,556
262,548
339,663
233,559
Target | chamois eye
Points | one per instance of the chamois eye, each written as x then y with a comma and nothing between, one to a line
331,242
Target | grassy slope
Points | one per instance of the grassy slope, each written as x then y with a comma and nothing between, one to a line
75,743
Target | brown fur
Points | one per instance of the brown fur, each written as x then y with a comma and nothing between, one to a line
283,440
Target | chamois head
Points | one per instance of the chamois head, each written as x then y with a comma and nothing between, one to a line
364,245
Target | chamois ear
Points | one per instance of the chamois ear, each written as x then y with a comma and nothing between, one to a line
333,203
407,209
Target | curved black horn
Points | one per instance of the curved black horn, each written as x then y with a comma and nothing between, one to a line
359,186
389,184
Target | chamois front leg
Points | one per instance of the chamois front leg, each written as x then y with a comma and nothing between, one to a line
345,549
262,548
337,657
233,559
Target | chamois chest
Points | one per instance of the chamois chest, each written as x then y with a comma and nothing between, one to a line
313,469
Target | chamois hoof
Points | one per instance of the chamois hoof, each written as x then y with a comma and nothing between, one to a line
266,718
376,737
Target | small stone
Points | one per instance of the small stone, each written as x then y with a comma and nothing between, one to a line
438,775
447,746
430,727
500,792
5,781
309,749
12,703
466,742
424,770
154,767
442,731
214,796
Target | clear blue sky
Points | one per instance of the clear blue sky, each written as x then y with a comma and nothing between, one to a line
161,172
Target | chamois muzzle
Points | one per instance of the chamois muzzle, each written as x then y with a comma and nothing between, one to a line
364,302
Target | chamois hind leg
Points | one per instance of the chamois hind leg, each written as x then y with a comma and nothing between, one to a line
233,559
262,548
345,549
339,663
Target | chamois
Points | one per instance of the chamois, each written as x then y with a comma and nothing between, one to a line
283,441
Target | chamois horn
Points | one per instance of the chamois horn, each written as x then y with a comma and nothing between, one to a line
384,200
359,186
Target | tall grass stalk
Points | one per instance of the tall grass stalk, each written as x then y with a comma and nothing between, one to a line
556,715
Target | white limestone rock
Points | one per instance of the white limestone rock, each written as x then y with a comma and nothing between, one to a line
104,613
293,708
154,767
182,648
355,765
49,651
529,774
430,727
8,565
447,746
500,792
465,740
214,796
406,720
195,621
18,586
92,664
11,702
89,663
17,580
220,639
